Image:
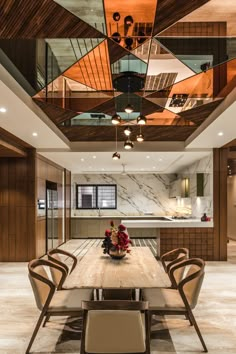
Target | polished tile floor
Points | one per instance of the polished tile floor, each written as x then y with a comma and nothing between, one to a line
215,313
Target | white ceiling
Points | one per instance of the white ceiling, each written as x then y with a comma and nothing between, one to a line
224,123
135,162
23,116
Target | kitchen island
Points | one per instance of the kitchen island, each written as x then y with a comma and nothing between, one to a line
193,234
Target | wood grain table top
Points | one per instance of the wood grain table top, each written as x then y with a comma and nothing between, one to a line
136,270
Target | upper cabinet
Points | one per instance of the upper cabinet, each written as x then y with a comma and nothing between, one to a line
180,188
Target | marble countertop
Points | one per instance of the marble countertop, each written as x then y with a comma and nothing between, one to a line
150,221
129,223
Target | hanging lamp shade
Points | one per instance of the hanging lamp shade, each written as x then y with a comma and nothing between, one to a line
116,156
127,131
128,144
140,138
115,119
129,108
141,120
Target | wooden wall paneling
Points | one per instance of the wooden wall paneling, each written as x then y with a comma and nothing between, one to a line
220,203
4,233
67,205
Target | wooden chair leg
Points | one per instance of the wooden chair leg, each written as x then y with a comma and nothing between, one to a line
38,324
188,318
46,320
194,322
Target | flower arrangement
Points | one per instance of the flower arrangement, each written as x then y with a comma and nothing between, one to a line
116,239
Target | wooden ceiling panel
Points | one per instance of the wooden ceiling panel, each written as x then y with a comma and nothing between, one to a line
41,19
151,133
199,114
170,11
57,114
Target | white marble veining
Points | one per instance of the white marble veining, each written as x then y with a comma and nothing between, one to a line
136,194
198,205
139,194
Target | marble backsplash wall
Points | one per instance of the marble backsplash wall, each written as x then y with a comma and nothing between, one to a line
199,205
137,194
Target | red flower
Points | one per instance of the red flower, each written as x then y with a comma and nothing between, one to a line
107,233
121,227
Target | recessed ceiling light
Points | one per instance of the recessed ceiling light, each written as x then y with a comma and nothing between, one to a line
3,109
90,166
82,159
220,133
35,134
148,157
154,167
160,159
94,156
141,169
103,169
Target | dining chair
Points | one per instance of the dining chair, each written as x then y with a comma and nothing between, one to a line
171,258
180,301
115,326
49,301
54,256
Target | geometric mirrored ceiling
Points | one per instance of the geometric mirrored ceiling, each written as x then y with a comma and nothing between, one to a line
175,67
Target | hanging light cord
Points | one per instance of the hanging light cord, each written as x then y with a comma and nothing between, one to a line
116,137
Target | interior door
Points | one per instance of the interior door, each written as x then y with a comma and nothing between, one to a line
52,216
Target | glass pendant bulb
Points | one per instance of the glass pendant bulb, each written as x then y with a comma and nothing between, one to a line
129,108
116,156
142,120
115,119
128,144
140,138
127,131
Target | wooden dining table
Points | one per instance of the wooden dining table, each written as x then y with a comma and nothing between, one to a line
137,270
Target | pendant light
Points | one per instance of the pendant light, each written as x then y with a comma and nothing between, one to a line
129,108
116,119
127,131
141,120
116,155
128,145
140,137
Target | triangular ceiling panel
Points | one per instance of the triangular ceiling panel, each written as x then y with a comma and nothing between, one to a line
213,19
91,12
199,114
57,114
170,11
68,51
130,23
200,54
164,69
93,69
44,19
143,50
116,52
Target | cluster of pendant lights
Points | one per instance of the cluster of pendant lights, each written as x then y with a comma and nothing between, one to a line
128,144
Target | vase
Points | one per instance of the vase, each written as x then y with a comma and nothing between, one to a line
117,254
